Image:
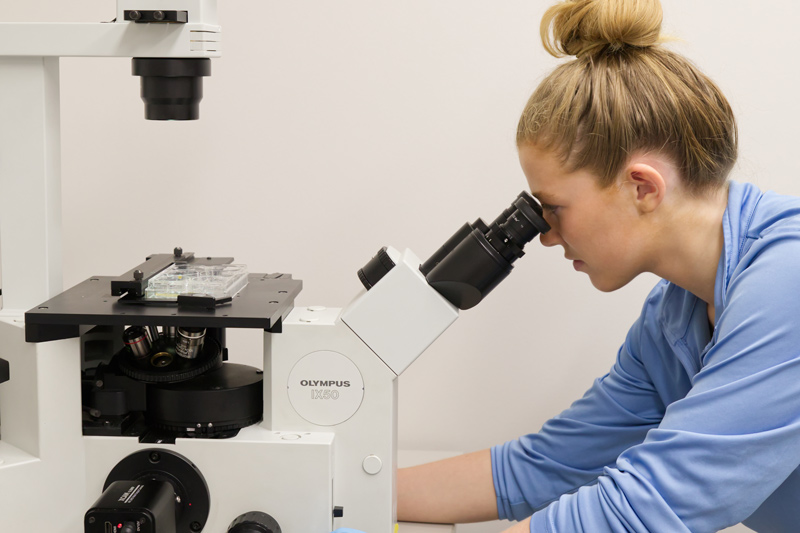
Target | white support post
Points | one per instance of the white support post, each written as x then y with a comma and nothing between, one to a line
30,181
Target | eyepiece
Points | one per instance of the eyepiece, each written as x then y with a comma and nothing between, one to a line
478,257
172,87
376,268
516,227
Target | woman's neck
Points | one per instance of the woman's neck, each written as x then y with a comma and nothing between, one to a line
692,243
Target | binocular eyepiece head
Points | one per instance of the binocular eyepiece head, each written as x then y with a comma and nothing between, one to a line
476,258
479,256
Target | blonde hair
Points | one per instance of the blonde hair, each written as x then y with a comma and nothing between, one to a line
625,93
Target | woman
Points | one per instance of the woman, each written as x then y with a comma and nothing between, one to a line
697,425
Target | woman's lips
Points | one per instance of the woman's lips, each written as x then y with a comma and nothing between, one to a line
577,264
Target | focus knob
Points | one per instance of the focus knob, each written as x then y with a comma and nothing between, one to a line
254,522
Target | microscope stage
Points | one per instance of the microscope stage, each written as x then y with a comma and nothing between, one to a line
262,304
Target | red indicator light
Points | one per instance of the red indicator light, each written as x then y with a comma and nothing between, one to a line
119,526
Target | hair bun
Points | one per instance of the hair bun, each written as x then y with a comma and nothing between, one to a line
581,27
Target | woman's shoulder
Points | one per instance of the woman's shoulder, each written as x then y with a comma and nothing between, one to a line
767,212
757,222
761,260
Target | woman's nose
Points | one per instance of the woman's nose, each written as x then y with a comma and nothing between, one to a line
551,238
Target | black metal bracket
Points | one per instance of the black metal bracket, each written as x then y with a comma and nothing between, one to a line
201,301
134,281
5,375
158,16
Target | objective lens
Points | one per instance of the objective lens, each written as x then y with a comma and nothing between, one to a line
135,338
170,333
152,333
190,342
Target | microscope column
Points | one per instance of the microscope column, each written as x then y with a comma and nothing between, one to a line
320,377
30,181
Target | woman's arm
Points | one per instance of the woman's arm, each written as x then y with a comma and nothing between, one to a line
521,527
569,452
455,490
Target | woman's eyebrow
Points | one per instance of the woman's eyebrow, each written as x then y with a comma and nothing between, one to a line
544,198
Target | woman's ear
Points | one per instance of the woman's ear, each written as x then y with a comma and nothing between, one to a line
646,184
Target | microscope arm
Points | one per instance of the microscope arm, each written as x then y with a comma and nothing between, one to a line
34,39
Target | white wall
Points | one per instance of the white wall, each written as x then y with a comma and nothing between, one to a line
330,129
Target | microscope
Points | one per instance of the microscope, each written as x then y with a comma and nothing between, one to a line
121,408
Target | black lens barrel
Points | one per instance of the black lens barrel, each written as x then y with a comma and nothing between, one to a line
478,257
172,87
446,248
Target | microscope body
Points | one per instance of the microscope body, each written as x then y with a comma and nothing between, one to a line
322,455
312,443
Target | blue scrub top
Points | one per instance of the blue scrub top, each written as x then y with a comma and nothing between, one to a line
692,430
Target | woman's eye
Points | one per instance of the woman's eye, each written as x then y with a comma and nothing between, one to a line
550,208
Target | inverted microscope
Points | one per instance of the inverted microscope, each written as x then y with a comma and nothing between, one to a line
120,408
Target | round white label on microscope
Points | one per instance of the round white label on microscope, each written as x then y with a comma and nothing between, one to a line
325,388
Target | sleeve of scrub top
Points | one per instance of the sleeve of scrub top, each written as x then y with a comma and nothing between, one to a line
572,449
720,451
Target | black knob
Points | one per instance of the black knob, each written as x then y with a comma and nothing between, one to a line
254,522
